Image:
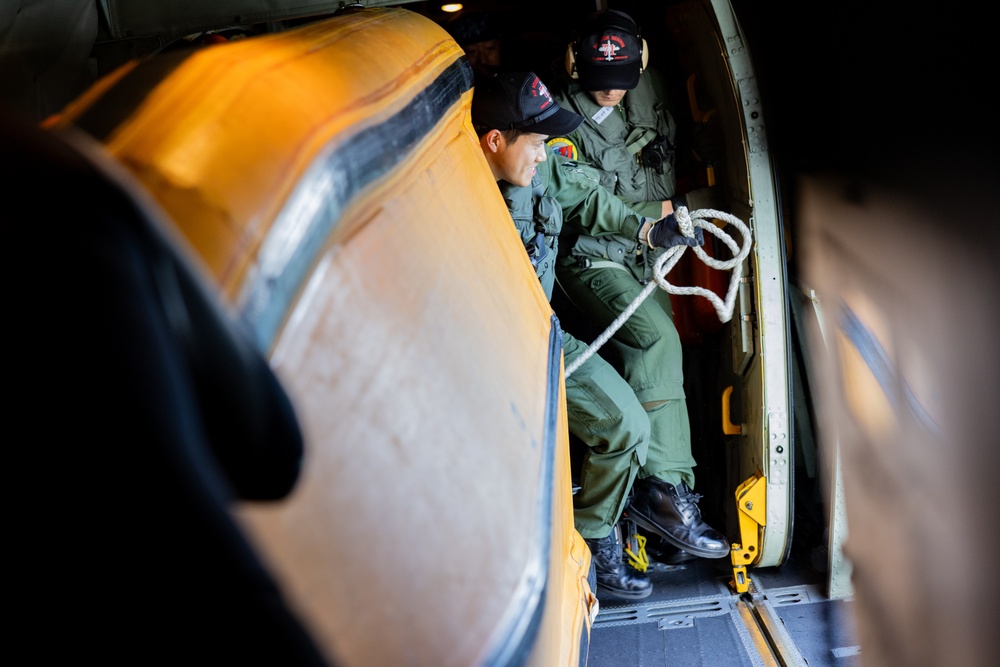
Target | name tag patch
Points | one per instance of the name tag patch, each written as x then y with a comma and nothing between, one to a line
601,114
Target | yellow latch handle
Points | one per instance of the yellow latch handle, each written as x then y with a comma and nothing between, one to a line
697,114
728,427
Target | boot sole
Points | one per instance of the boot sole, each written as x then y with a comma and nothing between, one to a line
648,524
611,593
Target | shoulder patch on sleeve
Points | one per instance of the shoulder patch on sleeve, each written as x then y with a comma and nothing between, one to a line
564,147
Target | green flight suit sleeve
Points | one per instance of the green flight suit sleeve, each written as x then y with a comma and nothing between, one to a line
587,207
650,209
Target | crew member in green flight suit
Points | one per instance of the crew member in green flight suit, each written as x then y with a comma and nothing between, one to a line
513,114
628,133
628,138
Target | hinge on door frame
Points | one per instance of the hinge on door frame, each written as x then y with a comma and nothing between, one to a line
751,506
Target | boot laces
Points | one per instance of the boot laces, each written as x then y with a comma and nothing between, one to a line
687,503
608,547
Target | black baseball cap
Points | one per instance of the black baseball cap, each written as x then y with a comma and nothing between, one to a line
519,101
609,52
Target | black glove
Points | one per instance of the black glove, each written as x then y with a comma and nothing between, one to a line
710,197
665,233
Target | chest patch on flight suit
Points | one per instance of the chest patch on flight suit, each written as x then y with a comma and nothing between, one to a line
564,147
601,114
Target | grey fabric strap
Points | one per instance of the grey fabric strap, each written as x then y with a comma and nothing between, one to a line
639,138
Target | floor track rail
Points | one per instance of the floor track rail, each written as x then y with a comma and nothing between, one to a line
775,645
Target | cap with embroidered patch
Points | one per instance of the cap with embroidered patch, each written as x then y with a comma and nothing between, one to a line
609,52
520,101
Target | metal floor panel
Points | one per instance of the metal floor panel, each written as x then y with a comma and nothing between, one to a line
693,619
709,641
822,629
690,619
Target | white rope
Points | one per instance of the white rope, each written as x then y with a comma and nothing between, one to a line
686,222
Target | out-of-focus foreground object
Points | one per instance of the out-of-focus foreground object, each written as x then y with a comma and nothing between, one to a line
330,181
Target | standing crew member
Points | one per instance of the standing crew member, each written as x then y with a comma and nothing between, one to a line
628,133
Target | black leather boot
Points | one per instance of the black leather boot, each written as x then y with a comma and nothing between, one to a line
615,579
663,552
672,513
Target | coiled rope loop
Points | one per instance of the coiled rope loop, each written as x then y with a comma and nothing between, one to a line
686,222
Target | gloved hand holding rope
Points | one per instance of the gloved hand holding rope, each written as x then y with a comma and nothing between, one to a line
666,233
690,226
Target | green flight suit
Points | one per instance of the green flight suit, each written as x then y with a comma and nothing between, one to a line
602,409
646,351
603,274
613,142
605,411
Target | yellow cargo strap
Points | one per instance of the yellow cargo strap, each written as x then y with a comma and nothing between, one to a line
639,561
